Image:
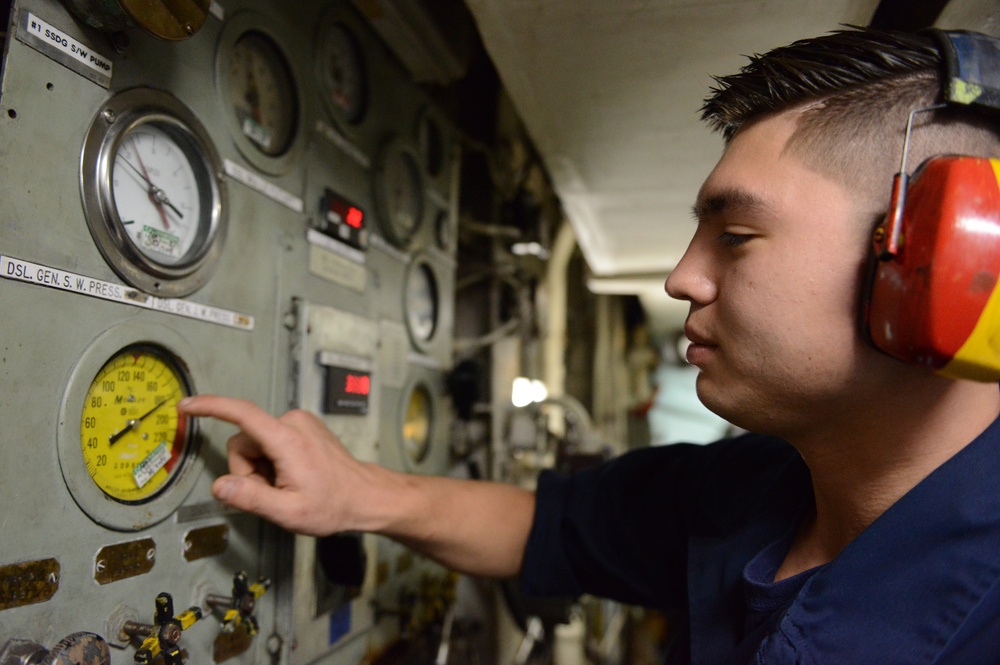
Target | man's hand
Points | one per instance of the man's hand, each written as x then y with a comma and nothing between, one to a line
294,472
291,470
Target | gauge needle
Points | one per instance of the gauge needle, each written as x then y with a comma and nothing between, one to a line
156,194
253,95
152,188
134,423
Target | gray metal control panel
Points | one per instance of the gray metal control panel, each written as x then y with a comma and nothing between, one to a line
261,204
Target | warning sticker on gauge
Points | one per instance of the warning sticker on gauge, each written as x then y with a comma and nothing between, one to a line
148,467
159,241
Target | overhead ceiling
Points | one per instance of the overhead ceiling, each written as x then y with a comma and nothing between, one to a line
610,92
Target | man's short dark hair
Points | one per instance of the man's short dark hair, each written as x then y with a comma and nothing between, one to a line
853,89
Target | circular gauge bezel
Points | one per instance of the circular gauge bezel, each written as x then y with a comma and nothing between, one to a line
421,268
334,32
100,506
397,154
236,28
117,118
442,230
416,452
431,142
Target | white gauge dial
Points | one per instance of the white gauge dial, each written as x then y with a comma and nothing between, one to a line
421,303
262,93
404,193
399,192
342,74
156,194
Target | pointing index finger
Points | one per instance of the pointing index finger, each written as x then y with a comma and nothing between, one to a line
259,424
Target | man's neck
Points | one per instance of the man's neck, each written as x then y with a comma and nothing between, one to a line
861,466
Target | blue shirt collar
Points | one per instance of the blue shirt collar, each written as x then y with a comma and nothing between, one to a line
907,583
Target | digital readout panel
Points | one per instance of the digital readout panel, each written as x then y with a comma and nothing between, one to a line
346,391
342,220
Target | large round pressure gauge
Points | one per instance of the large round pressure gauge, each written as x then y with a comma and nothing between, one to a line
128,457
152,192
399,193
341,71
132,439
261,93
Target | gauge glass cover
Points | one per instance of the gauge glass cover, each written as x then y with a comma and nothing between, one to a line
262,94
400,195
133,441
158,187
442,230
152,192
422,303
417,423
342,74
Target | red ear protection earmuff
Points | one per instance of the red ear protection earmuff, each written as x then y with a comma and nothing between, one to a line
935,292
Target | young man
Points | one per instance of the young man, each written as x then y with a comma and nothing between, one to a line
860,523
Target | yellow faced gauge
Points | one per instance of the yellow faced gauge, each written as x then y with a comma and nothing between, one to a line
417,424
133,441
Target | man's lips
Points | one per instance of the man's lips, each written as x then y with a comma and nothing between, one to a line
697,338
700,349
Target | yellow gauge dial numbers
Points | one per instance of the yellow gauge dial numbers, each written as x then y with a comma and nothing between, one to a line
132,438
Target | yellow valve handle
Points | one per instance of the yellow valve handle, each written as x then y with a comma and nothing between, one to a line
167,632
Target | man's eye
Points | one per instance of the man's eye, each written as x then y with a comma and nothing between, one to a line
734,239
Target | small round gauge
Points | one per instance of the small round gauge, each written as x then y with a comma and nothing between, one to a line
132,439
399,194
422,303
430,139
152,192
262,94
341,69
442,230
417,421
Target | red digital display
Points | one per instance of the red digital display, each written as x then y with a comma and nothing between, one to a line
347,391
342,220
354,217
357,384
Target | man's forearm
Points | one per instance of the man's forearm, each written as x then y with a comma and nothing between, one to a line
474,527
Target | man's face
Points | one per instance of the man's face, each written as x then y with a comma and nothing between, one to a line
774,275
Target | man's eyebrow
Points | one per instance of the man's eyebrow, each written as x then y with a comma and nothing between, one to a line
727,200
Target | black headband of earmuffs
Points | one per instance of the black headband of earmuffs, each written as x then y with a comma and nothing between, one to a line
972,68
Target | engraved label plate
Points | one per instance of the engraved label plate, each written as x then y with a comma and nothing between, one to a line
124,560
205,542
28,583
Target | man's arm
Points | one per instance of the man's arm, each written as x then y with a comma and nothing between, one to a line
294,472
